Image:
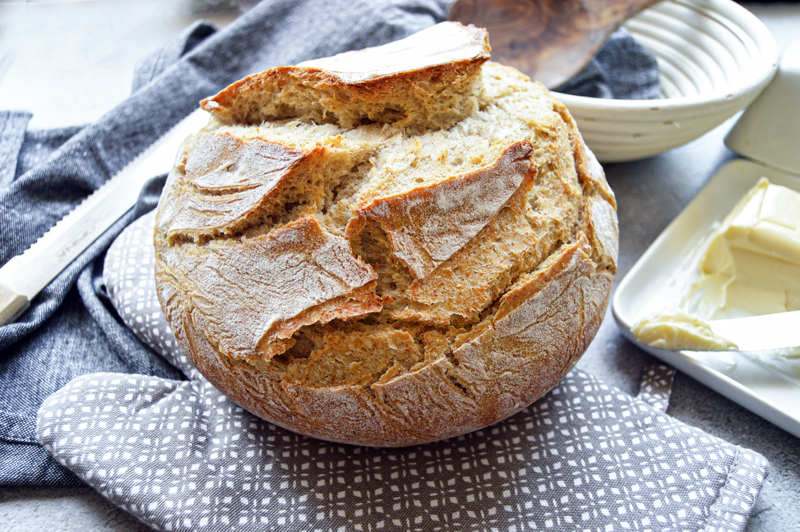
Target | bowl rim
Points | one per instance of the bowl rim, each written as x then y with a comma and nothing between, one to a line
763,71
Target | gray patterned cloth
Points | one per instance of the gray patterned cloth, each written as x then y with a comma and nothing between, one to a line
182,457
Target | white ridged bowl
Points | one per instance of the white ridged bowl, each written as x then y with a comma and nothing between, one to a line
714,57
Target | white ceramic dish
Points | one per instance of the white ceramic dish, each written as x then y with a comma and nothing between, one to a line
769,130
668,267
714,57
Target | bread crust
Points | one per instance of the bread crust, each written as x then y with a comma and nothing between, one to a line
397,83
429,224
388,284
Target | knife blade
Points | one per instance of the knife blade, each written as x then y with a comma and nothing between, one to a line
25,275
759,333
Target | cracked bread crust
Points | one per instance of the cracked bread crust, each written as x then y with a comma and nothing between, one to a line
388,282
425,81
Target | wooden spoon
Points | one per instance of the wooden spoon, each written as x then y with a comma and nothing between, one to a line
549,40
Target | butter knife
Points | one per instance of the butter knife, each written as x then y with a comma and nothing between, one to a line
24,276
759,333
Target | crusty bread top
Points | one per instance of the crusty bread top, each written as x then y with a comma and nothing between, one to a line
441,221
449,45
386,259
424,81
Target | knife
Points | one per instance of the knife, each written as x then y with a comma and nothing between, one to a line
758,333
770,341
24,276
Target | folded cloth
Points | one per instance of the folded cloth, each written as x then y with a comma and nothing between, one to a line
71,329
181,456
622,69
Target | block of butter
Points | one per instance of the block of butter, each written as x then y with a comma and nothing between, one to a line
752,263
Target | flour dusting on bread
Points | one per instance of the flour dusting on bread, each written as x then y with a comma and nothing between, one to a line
387,247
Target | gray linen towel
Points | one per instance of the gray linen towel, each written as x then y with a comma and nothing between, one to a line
181,456
71,328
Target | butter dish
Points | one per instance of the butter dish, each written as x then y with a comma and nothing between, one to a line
667,270
767,134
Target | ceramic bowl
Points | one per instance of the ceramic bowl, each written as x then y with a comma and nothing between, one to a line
714,58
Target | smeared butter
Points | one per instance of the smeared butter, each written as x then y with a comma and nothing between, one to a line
677,329
752,263
750,267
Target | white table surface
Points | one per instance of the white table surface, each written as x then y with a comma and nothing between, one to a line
70,61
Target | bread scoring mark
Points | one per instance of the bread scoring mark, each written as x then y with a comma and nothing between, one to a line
476,275
234,188
603,231
588,168
347,359
428,225
541,297
268,287
226,180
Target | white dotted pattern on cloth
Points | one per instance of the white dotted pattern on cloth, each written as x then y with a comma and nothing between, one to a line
129,276
657,385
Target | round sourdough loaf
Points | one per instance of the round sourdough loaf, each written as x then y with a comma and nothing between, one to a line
386,247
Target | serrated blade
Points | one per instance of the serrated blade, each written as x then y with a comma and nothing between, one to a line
24,276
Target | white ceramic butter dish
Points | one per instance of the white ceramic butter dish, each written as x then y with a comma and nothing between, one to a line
769,130
769,133
666,271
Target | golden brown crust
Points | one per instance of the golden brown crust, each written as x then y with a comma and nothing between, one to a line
423,80
251,296
228,179
380,285
429,224
542,327
479,272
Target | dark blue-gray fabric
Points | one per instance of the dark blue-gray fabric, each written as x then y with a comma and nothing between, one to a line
12,135
622,69
70,329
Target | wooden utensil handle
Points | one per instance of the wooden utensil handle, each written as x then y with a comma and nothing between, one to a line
550,40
